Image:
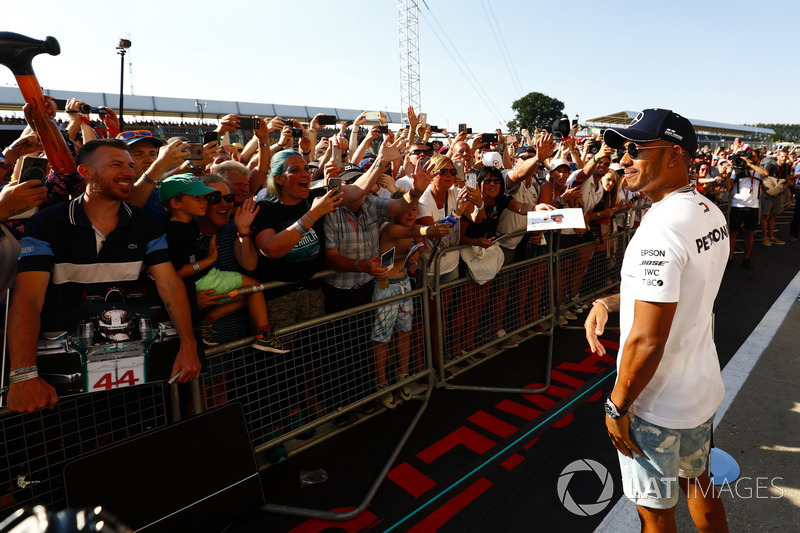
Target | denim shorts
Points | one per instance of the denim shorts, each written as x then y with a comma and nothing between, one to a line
397,315
651,480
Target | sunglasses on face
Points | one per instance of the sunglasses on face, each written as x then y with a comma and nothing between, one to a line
491,180
445,171
134,133
633,150
524,157
421,152
214,198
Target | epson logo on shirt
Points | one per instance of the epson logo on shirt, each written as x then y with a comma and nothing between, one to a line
654,253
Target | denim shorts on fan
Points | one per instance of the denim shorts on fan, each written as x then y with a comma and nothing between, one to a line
397,315
651,480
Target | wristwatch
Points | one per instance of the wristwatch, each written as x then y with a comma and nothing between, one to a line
611,409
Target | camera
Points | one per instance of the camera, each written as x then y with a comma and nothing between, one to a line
739,161
593,146
561,128
297,133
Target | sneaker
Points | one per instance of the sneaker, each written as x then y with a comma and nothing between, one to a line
508,344
405,390
569,315
747,264
561,321
792,238
207,331
276,453
766,242
387,398
776,240
268,342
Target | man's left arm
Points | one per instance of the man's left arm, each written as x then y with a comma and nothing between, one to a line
641,356
173,294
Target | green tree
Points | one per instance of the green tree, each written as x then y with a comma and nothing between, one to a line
535,110
783,132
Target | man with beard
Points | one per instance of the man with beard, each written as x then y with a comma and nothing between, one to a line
668,386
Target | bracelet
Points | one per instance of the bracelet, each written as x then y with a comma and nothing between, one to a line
264,144
150,180
195,266
300,227
355,266
427,232
413,193
479,207
23,370
311,222
595,159
17,378
599,301
243,235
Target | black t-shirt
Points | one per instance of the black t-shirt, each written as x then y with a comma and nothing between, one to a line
487,228
306,258
184,239
770,164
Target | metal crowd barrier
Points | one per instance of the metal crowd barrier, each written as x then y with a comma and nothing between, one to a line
327,375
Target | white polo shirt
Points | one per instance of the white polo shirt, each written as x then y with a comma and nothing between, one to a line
678,254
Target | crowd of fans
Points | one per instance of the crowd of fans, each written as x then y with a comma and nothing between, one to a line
299,199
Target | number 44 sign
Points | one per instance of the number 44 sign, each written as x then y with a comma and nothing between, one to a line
114,373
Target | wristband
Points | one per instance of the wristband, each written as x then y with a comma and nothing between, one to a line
599,301
300,227
310,222
595,159
149,180
413,193
195,266
264,144
23,370
18,378
306,153
355,266
243,235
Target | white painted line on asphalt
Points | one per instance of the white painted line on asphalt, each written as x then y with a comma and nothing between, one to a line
623,516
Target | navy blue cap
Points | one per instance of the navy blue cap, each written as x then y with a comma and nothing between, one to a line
653,125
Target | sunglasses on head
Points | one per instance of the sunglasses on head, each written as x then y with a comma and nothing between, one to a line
445,171
134,133
633,150
214,198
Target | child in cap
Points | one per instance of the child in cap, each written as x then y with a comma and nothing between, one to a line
185,196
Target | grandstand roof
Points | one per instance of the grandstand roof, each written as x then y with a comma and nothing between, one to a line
700,126
11,99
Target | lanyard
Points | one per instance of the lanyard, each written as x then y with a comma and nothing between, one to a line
355,227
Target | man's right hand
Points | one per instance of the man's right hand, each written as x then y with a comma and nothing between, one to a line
30,395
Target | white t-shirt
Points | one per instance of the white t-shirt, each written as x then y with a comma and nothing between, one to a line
511,221
745,192
678,254
427,208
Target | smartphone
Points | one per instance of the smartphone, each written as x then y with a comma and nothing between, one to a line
472,180
383,129
435,129
488,137
337,155
335,183
210,136
423,119
462,127
373,116
327,120
33,168
574,121
387,258
297,133
469,131
249,123
459,166
195,152
450,221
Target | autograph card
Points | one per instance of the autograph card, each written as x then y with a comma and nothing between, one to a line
557,219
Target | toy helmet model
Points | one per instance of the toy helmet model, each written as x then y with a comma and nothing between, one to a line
115,325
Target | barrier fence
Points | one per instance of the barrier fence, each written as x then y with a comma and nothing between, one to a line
304,397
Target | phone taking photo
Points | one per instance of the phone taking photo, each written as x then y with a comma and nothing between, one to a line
459,166
423,119
337,155
326,120
33,168
195,152
210,136
387,258
249,123
471,179
373,116
335,183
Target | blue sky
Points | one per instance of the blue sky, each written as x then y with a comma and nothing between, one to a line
727,61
